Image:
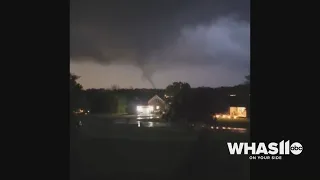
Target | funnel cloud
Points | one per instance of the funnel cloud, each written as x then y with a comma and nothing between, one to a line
205,42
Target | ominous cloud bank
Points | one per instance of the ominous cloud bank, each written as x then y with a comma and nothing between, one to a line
162,35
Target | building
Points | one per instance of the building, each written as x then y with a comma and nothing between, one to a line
153,106
157,103
238,112
239,104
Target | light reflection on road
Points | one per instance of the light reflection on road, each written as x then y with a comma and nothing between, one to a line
147,117
145,123
232,129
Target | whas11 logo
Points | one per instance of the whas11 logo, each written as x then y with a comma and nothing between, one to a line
282,148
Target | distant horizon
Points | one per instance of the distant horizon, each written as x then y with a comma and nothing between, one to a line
133,88
127,76
154,89
148,88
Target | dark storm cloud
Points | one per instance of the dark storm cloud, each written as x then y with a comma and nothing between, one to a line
154,35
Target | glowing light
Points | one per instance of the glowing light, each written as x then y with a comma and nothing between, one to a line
211,127
217,115
150,124
229,116
232,95
217,127
223,127
224,116
139,108
157,107
138,123
242,129
238,111
144,110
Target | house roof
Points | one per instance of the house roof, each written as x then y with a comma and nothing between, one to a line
156,97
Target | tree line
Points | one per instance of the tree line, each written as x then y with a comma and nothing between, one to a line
184,100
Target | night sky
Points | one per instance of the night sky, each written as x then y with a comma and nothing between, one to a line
134,43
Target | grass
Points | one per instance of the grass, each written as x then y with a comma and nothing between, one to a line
128,152
104,127
110,158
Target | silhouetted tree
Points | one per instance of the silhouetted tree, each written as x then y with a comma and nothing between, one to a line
175,92
76,92
174,88
177,96
115,87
